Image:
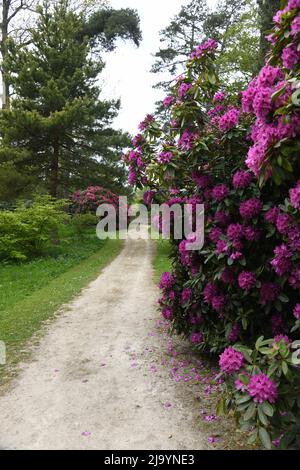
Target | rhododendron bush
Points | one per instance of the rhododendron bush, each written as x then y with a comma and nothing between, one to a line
239,156
90,199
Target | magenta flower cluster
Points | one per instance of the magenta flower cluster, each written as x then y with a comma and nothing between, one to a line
250,208
246,280
167,281
231,360
295,196
261,388
206,47
229,120
196,338
241,179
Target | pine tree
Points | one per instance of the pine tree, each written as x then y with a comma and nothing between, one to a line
57,121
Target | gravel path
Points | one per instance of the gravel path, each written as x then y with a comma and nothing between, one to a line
88,385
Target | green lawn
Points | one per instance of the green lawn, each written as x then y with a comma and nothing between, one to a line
161,261
32,292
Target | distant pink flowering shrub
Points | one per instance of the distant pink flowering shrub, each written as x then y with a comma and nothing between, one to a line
89,199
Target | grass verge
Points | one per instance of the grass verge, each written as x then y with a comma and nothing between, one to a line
161,261
34,291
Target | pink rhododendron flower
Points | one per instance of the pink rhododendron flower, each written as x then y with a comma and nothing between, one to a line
215,234
262,388
295,196
290,56
235,231
234,333
296,25
236,255
165,157
147,121
294,279
241,179
220,192
250,208
279,338
221,247
293,4
206,47
218,302
167,313
269,75
219,96
269,292
231,360
183,89
262,103
148,197
283,223
248,97
186,295
166,281
272,214
168,101
132,177
186,140
294,238
196,338
246,280
229,120
296,311
216,111
209,292
282,261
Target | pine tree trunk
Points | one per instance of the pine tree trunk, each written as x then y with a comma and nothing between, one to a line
267,9
54,176
3,49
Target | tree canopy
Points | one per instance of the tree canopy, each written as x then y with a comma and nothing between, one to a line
233,23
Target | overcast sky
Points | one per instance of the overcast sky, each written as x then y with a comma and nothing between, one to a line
127,73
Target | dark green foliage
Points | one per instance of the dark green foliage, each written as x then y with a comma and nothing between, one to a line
104,26
267,10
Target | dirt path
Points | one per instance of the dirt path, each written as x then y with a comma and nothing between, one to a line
89,385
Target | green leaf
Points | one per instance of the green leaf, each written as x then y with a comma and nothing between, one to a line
244,399
284,367
262,417
250,412
259,342
220,407
252,439
267,408
265,438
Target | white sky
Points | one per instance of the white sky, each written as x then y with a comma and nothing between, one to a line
127,72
